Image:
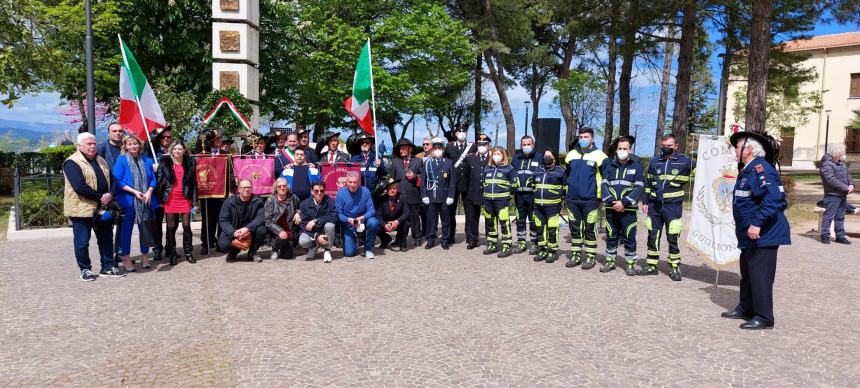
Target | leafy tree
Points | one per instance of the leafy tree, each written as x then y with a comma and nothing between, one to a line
224,119
179,108
783,111
586,94
26,60
855,122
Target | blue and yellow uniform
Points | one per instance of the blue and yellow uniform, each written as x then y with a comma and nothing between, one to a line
549,187
665,181
525,166
759,200
499,183
438,184
623,182
585,171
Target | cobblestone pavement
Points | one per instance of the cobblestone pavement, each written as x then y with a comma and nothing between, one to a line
421,318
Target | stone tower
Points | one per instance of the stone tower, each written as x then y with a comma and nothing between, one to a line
236,50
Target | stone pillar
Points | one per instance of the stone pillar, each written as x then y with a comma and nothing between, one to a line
236,50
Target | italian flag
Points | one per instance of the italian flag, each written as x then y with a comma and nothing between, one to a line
359,104
139,112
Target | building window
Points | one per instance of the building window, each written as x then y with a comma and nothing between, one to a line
852,140
855,86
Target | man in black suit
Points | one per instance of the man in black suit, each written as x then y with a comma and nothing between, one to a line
333,154
394,216
456,151
473,167
407,169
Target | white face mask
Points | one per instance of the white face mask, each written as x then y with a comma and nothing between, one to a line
623,155
528,150
482,149
437,154
497,158
461,136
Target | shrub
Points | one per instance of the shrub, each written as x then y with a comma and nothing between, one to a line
54,156
38,209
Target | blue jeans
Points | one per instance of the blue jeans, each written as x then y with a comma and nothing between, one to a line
81,230
350,248
834,211
125,230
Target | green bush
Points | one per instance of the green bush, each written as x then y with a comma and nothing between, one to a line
54,156
38,209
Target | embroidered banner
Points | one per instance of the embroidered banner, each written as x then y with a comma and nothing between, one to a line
712,227
211,176
334,175
258,171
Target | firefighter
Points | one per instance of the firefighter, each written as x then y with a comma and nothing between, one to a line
499,181
586,166
549,187
526,161
622,187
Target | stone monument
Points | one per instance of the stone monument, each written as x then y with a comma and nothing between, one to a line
236,50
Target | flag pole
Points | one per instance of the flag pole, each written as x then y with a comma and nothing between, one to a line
137,99
372,97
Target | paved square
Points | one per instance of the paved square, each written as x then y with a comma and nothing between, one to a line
421,318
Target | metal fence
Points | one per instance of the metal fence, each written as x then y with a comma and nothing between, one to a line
39,201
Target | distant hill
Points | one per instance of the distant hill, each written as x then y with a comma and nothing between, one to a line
29,136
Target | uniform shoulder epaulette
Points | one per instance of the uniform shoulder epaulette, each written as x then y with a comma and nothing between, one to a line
759,168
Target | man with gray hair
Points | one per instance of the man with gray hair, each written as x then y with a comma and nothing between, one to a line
837,184
87,192
356,214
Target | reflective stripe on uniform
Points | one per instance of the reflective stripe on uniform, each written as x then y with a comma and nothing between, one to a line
743,193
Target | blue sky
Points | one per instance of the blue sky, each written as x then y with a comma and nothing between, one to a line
43,108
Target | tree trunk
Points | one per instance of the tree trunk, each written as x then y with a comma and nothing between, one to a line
680,115
497,74
628,56
479,74
756,109
610,91
668,57
563,74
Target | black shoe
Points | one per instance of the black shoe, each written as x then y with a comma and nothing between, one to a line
533,250
204,250
734,314
189,257
520,248
491,248
540,256
825,240
551,257
607,267
384,244
675,274
647,270
173,260
472,245
403,247
446,246
588,264
756,324
231,256
87,275
630,271
111,273
430,244
156,255
843,240
506,251
573,263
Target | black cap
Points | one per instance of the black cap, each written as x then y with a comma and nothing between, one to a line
482,138
770,145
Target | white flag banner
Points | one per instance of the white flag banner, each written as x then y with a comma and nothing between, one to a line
712,227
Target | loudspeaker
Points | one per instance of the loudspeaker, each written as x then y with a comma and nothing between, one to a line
547,136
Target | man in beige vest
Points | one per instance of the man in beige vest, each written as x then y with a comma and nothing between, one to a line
87,187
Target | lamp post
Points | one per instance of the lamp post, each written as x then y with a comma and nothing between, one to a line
827,131
91,88
526,124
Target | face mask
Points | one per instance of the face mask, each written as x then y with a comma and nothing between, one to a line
497,159
365,148
437,154
666,151
623,155
584,143
548,162
528,150
482,149
461,136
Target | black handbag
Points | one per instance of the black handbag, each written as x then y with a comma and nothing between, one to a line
144,230
107,216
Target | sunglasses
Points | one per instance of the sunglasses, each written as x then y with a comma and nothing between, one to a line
426,144
319,191
281,186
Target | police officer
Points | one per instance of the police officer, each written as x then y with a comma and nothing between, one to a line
665,180
473,173
438,188
499,181
372,168
622,187
457,150
526,161
760,226
586,167
549,186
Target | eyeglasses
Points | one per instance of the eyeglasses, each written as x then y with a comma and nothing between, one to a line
281,186
319,191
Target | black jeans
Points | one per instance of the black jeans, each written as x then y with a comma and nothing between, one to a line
155,224
258,237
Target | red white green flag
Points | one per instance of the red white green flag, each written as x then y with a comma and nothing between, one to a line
139,112
225,102
359,105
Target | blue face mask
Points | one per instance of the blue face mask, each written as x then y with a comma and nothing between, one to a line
583,143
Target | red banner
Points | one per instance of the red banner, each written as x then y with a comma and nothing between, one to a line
211,176
258,171
334,175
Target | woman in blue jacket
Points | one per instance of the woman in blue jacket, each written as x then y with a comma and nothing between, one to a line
135,182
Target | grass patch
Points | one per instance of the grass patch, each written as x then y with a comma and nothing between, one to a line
5,207
801,212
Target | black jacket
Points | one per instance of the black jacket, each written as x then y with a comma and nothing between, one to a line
232,218
400,213
409,190
474,170
453,151
166,178
323,214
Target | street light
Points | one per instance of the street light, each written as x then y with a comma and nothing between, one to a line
826,130
526,123
91,89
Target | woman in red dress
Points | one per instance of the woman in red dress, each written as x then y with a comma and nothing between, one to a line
177,188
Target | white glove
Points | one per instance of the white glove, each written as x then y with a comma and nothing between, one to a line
425,200
449,201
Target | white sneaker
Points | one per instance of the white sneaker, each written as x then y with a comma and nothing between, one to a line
275,255
326,257
368,255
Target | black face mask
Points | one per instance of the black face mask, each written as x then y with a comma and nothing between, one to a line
548,162
666,151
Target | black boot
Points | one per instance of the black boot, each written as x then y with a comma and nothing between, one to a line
187,247
170,246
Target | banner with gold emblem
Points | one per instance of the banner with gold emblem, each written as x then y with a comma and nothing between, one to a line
334,175
211,176
258,171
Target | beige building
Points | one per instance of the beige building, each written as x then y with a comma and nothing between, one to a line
836,59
